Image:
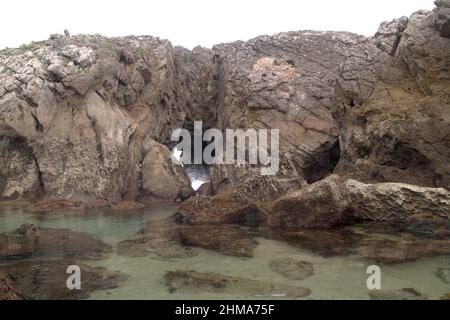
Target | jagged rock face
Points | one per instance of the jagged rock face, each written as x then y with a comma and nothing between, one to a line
295,82
401,131
76,113
334,201
78,109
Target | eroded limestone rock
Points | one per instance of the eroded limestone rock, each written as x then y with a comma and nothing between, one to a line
193,281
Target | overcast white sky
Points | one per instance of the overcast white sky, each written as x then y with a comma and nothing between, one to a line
194,22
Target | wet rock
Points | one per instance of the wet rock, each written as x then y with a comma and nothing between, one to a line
403,294
329,242
128,205
429,226
8,288
15,204
228,240
159,239
444,274
55,204
196,282
47,279
227,208
332,202
292,269
381,243
29,231
399,251
446,296
30,242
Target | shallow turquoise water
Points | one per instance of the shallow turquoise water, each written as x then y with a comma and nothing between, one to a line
336,277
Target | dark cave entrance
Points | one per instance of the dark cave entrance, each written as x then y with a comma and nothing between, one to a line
322,162
198,173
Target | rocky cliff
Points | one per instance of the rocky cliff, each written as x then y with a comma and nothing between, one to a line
89,117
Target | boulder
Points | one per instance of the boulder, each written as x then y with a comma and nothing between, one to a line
226,208
333,201
321,204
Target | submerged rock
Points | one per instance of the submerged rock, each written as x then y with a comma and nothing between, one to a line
398,251
47,279
159,238
444,274
429,226
8,288
31,242
446,296
228,240
227,208
403,294
329,242
128,205
377,242
197,282
292,269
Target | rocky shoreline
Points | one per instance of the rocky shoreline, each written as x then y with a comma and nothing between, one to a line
85,123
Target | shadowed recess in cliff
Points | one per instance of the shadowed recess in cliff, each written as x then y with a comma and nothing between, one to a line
322,162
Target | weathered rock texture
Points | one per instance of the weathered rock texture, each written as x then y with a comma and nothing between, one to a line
399,129
87,116
78,115
226,208
8,289
334,201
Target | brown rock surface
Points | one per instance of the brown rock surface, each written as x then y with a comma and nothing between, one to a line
334,201
8,289
226,208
